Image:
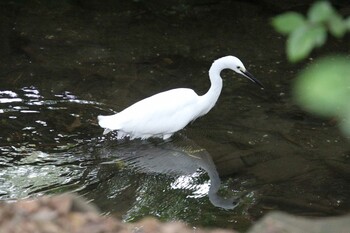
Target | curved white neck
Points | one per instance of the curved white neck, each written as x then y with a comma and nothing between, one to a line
210,98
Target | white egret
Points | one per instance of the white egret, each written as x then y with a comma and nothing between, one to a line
165,113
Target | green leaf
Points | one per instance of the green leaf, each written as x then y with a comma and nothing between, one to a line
337,26
301,41
320,12
288,22
324,87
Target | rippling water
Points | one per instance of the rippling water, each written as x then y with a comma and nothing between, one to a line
37,134
47,148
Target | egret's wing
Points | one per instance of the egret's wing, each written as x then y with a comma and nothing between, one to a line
164,112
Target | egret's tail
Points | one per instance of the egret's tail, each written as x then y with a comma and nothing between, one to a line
107,122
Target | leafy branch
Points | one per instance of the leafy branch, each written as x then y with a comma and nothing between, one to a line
306,33
324,87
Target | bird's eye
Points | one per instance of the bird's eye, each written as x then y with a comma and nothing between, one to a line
238,67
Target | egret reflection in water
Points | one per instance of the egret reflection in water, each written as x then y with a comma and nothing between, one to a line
181,157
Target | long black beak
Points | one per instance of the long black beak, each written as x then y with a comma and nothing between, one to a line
252,78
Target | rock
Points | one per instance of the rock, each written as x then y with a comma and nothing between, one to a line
280,169
278,222
70,213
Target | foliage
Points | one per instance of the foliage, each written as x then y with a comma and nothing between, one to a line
306,33
324,87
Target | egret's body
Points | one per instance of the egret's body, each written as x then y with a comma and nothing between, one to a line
163,114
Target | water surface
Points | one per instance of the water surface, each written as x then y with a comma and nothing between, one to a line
63,64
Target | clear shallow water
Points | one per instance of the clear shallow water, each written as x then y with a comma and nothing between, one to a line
62,65
51,152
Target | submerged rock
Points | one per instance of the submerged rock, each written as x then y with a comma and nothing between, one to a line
278,222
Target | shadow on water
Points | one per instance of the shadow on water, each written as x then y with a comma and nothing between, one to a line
180,158
176,179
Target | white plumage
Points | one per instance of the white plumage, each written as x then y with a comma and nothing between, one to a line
165,113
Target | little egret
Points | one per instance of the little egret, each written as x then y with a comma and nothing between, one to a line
165,113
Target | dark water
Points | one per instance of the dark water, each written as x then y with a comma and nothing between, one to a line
62,64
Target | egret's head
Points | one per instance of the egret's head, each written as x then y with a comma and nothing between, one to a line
236,65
